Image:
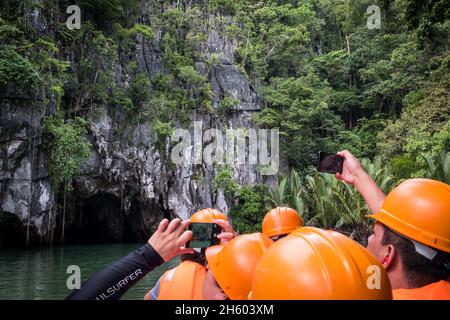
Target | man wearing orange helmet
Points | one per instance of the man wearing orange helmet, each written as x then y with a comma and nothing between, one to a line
411,234
185,282
231,267
312,263
281,221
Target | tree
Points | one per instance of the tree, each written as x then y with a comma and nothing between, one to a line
68,148
299,108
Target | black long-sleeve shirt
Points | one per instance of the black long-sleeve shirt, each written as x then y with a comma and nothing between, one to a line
112,282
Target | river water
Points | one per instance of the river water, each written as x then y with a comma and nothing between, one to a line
40,273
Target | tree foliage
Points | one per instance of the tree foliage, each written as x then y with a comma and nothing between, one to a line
323,201
17,70
325,80
67,146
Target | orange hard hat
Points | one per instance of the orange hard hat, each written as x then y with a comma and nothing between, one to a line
419,209
312,263
207,216
233,264
280,221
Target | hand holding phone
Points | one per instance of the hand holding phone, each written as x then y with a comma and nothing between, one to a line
330,163
204,235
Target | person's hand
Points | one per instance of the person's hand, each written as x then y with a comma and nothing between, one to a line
170,239
351,168
228,233
353,173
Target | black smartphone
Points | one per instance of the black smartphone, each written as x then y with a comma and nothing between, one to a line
330,163
204,235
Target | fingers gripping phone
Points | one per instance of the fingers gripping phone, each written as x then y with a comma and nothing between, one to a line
204,235
330,163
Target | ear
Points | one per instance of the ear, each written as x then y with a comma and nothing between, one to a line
388,254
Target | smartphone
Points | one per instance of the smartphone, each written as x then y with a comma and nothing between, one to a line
204,235
330,163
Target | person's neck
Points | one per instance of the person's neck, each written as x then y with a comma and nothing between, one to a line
399,281
397,276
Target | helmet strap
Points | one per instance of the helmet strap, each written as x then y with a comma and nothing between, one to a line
420,248
424,250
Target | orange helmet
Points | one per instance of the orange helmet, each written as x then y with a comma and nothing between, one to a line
419,209
312,263
233,264
207,216
280,221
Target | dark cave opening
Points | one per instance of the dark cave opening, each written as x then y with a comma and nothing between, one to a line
12,233
133,231
102,219
143,219
99,219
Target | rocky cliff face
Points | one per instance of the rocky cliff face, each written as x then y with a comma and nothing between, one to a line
27,196
128,184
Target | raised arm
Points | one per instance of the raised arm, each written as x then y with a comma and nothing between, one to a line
354,174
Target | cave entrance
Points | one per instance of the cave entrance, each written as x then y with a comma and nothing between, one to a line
11,231
100,221
143,219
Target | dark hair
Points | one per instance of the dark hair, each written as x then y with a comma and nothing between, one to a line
198,257
420,271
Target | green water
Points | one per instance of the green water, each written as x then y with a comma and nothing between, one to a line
40,273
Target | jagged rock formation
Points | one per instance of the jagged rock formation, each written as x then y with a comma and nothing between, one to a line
127,185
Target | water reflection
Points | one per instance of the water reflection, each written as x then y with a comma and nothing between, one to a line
41,273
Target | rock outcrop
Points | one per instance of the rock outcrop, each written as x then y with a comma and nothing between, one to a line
128,184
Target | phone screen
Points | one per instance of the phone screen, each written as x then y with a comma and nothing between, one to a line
203,235
330,163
